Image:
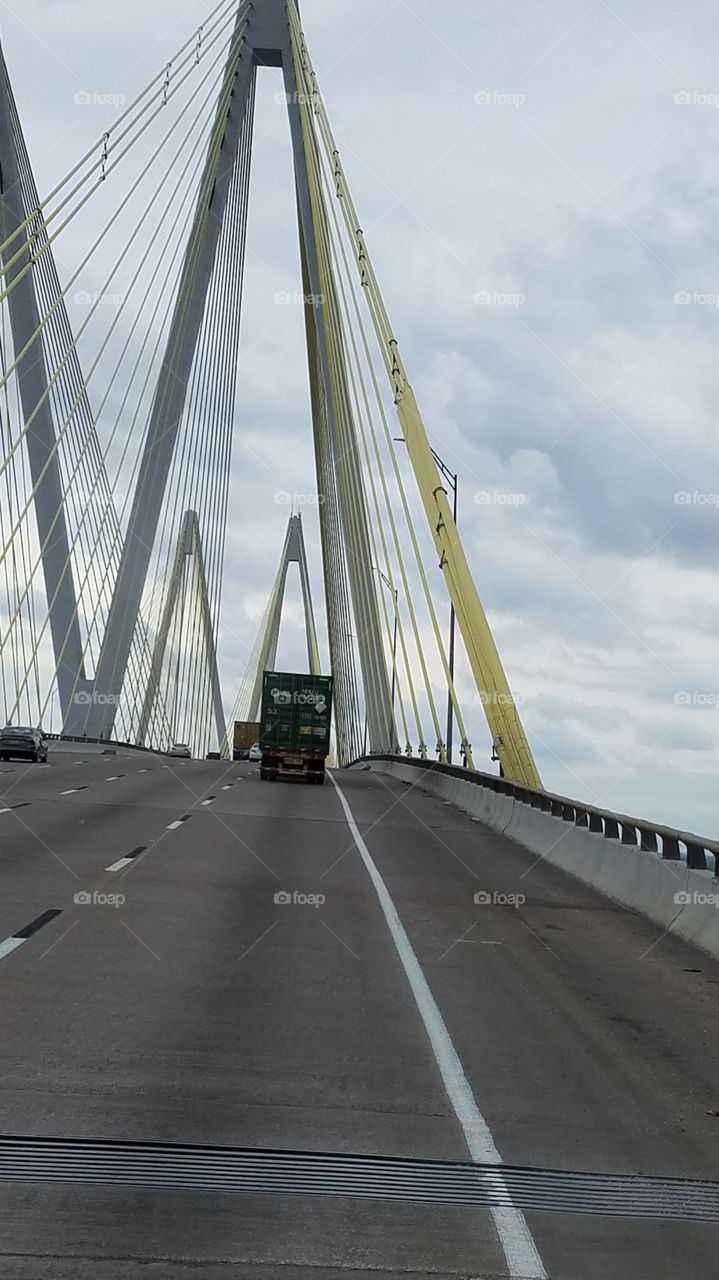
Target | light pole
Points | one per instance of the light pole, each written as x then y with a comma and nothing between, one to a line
451,477
395,594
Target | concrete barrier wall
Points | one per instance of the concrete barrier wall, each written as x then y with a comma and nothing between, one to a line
646,882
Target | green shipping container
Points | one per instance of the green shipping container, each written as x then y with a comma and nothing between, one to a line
296,713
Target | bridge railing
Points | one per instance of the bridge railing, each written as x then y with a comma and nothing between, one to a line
674,845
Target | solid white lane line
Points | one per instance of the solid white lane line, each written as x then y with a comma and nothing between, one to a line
519,1249
117,866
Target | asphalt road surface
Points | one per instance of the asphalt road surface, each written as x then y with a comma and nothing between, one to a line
236,963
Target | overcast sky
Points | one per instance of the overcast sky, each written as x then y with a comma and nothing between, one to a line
539,186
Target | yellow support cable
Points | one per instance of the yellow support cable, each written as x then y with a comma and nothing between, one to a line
504,721
331,335
327,499
393,526
306,98
373,545
380,526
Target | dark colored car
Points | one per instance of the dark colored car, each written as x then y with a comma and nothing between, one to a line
20,743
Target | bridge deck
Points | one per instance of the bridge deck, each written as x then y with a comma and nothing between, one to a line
201,1010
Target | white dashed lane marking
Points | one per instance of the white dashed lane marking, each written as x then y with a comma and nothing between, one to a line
11,944
174,825
128,859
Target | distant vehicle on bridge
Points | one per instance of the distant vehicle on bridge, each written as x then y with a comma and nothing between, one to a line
21,743
180,750
295,725
246,735
255,753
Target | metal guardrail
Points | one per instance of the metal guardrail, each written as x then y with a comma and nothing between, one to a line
676,846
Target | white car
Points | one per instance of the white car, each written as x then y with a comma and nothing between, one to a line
180,749
255,752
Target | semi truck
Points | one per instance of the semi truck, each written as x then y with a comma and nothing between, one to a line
295,725
247,733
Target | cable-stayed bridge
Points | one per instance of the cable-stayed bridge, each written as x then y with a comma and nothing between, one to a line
431,1019
112,471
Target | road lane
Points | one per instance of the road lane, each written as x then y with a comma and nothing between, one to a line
201,1009
590,1040
61,839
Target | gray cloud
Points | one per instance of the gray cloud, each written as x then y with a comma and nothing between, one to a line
594,398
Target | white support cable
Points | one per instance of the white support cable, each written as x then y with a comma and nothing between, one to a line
161,441
96,362
105,168
61,300
186,204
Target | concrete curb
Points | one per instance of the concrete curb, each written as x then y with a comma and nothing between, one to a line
643,881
